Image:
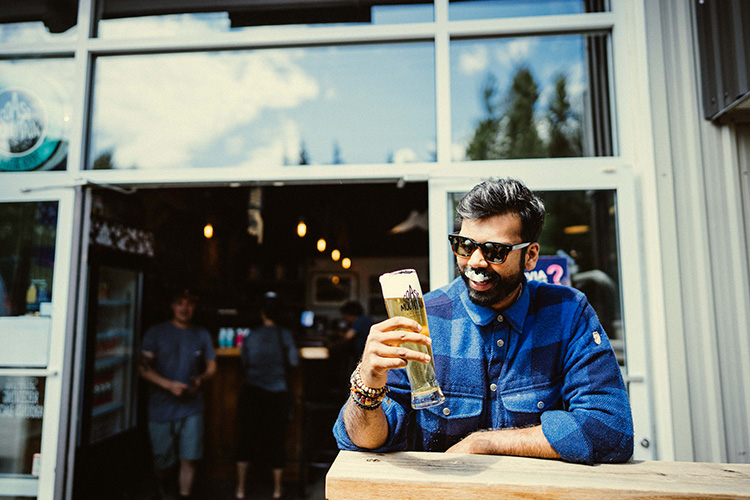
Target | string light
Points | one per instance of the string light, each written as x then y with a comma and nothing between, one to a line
321,245
335,255
208,231
346,263
301,229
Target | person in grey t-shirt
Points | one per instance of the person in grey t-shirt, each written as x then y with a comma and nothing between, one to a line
263,406
176,358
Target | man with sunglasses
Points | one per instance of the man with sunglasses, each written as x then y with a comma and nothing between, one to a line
526,367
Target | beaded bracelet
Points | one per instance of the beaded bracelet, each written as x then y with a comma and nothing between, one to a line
367,398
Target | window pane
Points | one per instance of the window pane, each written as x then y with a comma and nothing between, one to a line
21,415
321,105
579,248
160,19
530,97
27,256
488,9
35,109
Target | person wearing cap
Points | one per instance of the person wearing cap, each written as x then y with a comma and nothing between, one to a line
177,357
526,367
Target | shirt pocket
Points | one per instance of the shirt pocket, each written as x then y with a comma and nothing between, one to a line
525,407
458,416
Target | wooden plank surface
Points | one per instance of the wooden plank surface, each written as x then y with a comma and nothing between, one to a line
441,476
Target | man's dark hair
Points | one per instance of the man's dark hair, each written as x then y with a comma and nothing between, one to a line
182,293
504,196
352,308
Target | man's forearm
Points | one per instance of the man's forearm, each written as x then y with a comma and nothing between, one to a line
152,376
366,428
210,370
528,442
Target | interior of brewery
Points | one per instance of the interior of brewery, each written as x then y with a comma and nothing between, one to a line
316,246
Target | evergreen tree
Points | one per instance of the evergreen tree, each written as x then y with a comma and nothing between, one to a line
564,129
337,154
303,157
484,144
520,136
104,161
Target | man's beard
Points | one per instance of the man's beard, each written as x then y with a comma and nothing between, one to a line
502,289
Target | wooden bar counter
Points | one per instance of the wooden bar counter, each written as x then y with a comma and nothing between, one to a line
442,476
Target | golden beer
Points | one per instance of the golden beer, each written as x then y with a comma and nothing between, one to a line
403,297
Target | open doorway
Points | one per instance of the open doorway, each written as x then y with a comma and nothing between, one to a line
161,237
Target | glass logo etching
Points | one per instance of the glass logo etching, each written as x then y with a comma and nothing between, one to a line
23,122
24,125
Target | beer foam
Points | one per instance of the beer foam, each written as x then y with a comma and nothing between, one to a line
397,283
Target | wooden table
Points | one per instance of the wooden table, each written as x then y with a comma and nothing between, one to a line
441,476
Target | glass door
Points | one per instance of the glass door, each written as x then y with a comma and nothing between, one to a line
589,242
35,246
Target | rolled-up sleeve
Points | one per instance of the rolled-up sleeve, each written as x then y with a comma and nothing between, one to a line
396,441
395,407
596,423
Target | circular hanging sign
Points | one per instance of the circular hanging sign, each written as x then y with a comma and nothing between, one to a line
24,140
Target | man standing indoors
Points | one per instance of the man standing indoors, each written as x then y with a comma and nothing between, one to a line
176,358
525,367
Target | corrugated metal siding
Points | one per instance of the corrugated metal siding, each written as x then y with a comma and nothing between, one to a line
709,199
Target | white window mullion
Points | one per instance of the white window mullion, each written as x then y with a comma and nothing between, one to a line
442,82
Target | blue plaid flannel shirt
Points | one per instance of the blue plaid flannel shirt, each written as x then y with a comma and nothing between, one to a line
546,359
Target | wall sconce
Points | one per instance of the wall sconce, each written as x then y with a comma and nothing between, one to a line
321,245
208,231
301,229
346,263
336,255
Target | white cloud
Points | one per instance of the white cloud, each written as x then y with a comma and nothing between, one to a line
156,111
33,32
404,155
165,26
473,61
575,86
458,151
514,52
234,145
280,141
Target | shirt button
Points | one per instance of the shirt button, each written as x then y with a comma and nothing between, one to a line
493,387
500,318
446,411
540,405
500,343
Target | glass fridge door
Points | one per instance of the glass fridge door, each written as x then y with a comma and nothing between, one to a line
112,384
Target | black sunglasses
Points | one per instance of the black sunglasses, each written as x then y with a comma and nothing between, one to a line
493,252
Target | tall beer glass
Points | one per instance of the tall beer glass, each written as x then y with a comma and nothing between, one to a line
403,297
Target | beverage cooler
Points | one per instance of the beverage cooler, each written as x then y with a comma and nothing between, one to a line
110,381
111,447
